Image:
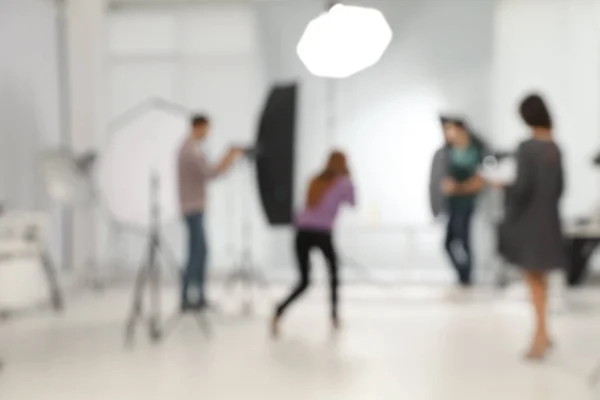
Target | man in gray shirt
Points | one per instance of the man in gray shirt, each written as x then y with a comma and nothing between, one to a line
194,174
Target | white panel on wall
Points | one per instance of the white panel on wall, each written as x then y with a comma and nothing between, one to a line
132,83
218,29
215,70
142,33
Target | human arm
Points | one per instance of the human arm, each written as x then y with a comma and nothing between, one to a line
211,172
473,185
227,160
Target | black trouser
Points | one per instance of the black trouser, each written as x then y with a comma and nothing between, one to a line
306,240
458,242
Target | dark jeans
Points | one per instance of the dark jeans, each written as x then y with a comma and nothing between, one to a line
195,271
458,243
306,240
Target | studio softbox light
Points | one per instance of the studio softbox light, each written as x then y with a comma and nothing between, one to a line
344,40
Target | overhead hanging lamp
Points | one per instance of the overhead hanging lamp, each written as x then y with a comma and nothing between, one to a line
344,40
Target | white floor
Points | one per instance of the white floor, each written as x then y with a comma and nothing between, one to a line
396,344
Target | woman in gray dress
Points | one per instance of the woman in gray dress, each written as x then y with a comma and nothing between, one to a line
533,224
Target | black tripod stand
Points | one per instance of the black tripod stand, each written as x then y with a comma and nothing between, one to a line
245,271
149,279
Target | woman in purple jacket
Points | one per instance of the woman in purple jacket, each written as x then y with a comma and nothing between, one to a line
327,191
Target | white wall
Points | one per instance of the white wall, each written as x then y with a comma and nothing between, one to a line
475,57
29,104
387,121
386,116
552,46
205,58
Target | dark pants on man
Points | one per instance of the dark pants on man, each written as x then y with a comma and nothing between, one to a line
458,242
195,270
306,240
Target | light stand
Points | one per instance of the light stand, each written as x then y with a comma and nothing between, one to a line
331,101
149,278
245,271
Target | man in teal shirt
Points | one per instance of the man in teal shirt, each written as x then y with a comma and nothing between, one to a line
461,185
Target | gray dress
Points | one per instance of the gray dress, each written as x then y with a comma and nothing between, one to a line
532,225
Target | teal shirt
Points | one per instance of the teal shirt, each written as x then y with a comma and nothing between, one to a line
463,166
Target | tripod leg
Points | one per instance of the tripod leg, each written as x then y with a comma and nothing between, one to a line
154,276
55,293
170,326
136,308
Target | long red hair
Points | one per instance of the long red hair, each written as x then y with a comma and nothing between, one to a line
336,168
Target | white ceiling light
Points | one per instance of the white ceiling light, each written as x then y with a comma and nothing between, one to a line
344,41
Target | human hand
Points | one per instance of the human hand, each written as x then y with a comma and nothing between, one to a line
235,152
497,185
449,186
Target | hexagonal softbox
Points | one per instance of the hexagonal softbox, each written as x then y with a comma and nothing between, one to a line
344,41
144,143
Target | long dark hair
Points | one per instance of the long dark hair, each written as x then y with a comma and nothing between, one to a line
335,168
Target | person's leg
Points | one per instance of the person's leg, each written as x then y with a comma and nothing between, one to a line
202,255
466,263
538,287
303,245
190,221
328,249
451,241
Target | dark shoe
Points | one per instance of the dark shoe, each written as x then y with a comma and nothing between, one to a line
186,306
465,281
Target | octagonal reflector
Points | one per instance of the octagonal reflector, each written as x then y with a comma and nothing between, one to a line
344,41
144,144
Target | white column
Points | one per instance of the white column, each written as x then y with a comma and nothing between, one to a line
86,43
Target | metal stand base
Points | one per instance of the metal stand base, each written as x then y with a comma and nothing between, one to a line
56,297
200,317
148,277
249,276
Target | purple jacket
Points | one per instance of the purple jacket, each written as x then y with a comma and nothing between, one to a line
323,216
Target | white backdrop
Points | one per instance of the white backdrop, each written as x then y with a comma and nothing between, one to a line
221,58
439,60
205,58
553,47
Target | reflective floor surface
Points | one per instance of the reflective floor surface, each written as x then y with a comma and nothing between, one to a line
396,343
